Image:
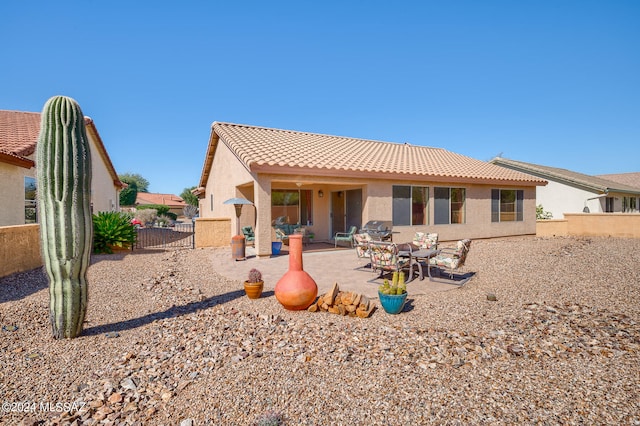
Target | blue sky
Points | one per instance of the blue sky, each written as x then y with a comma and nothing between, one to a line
549,82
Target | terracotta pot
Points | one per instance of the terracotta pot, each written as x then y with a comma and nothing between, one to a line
296,290
253,290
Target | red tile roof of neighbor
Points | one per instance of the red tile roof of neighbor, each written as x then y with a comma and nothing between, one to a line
170,200
19,135
268,150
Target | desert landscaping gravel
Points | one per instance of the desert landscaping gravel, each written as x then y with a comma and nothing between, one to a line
168,341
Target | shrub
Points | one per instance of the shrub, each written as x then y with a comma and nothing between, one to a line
160,208
164,220
190,211
112,229
147,216
541,214
172,216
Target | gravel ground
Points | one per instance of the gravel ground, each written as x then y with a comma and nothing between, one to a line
560,345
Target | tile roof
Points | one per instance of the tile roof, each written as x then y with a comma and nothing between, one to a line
170,200
630,179
286,151
593,183
19,135
19,132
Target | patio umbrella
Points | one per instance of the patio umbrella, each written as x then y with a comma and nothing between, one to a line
238,203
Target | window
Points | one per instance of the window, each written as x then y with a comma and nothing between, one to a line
629,204
292,206
30,211
410,205
608,205
506,205
448,205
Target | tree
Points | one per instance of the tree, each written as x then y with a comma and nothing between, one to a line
141,183
188,197
129,194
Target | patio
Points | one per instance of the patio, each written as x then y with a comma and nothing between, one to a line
324,263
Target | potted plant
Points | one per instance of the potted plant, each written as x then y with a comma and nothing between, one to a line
393,296
253,285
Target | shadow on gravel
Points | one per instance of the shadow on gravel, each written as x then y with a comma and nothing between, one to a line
20,285
174,311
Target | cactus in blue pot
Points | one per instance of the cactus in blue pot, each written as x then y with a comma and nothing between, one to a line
64,204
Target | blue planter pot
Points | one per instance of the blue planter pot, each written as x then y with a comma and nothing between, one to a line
392,303
276,246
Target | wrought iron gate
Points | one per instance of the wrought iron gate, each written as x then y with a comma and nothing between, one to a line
180,235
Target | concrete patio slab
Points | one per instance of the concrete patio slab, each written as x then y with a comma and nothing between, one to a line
324,263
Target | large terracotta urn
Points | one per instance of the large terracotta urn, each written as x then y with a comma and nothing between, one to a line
296,290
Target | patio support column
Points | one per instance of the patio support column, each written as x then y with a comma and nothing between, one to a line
262,197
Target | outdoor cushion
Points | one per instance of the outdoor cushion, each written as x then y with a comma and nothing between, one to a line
425,240
362,244
452,258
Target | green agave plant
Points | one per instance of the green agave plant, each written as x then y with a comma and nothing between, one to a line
112,229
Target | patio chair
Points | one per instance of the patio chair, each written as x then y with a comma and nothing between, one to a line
425,240
452,259
345,236
280,235
249,235
362,247
384,258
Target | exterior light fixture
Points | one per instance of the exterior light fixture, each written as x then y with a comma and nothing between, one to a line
320,194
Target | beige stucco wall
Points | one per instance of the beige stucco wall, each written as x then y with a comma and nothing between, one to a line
478,212
19,248
12,192
213,232
622,225
104,194
552,228
604,224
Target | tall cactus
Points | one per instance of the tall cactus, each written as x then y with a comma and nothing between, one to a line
64,191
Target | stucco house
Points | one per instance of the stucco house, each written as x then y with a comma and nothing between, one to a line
330,183
176,204
572,192
18,137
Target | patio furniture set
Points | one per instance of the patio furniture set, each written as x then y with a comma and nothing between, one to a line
413,257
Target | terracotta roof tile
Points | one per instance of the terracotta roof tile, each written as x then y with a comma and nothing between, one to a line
19,132
170,200
19,135
261,148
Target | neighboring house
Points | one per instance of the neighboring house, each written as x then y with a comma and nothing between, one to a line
572,192
330,183
18,137
175,203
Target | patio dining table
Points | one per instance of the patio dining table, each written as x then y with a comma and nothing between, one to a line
417,257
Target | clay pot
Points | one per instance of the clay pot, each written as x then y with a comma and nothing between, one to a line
253,290
296,290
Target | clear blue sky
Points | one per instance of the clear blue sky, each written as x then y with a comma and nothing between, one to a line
549,82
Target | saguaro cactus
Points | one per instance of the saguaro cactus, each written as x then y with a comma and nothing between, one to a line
64,190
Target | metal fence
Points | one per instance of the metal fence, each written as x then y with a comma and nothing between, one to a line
181,235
